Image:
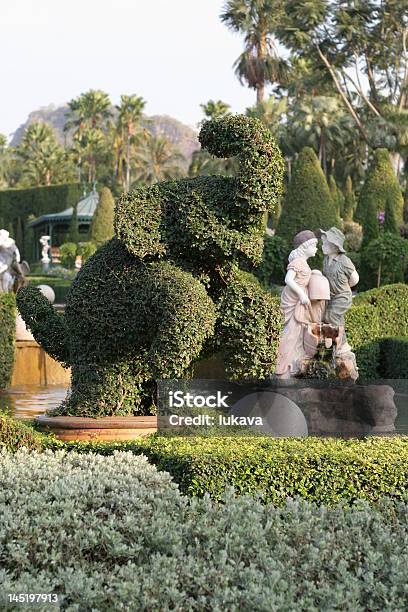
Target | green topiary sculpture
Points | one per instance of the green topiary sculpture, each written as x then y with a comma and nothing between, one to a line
102,222
170,286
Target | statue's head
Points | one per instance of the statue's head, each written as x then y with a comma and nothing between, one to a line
332,241
305,245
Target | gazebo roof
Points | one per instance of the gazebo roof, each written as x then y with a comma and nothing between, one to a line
86,209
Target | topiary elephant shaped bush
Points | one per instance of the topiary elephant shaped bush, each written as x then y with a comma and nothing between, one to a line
173,285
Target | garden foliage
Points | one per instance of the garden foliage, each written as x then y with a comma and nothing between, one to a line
119,535
7,337
380,193
308,203
378,315
17,205
102,221
16,434
146,305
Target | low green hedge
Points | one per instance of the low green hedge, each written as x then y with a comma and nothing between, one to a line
17,434
377,329
7,337
112,533
320,470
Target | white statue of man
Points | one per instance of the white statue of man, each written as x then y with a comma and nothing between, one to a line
342,275
9,261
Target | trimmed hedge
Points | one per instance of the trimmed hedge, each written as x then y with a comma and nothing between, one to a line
16,206
111,533
7,337
60,286
17,434
377,315
323,471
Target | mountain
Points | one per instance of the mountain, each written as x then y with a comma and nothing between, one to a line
181,135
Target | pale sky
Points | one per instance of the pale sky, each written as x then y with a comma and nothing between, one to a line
176,54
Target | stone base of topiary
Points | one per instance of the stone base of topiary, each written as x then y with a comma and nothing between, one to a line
106,428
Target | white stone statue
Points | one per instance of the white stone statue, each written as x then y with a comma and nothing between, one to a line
10,268
342,275
44,241
297,343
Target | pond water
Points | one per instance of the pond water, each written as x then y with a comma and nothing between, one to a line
26,401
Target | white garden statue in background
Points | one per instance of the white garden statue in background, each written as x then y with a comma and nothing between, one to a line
10,267
45,259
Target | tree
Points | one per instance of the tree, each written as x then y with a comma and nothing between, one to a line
215,110
130,114
102,222
158,160
381,193
260,62
355,42
5,162
349,201
89,116
44,160
308,203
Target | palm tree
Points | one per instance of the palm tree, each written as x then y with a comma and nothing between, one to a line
158,160
316,123
45,161
260,62
89,116
215,110
5,162
130,114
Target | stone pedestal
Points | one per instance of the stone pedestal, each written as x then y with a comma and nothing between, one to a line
346,410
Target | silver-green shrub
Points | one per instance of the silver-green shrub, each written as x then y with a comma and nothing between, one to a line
112,533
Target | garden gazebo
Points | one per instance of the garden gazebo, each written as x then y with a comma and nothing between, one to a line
56,225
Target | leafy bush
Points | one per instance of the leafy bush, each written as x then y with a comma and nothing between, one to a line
376,315
16,434
106,531
384,261
321,470
7,337
68,252
353,233
272,269
308,203
394,357
86,250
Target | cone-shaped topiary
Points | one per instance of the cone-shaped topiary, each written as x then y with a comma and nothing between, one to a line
381,193
349,201
102,222
308,203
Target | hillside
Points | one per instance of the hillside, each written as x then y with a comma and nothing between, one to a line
181,135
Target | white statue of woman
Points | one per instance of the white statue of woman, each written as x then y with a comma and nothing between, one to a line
296,306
